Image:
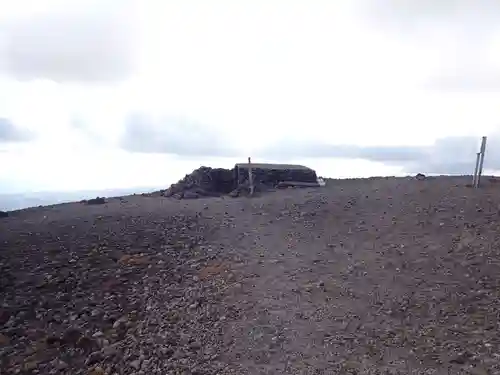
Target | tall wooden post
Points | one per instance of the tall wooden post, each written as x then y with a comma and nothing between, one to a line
476,170
250,175
481,161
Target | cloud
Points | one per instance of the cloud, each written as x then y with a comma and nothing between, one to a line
11,133
77,41
408,15
467,79
450,155
172,135
462,35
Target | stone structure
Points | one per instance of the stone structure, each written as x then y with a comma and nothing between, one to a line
210,182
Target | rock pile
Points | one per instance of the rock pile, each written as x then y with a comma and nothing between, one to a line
214,182
203,182
420,176
94,201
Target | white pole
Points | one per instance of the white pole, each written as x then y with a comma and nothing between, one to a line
481,161
474,178
250,175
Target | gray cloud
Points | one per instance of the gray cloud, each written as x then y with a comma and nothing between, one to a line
476,16
172,135
11,133
462,30
467,78
79,41
451,155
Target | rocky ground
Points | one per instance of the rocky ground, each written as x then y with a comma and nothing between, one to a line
380,276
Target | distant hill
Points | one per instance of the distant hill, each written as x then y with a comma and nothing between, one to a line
16,201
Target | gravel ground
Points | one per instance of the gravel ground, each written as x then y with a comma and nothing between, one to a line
376,276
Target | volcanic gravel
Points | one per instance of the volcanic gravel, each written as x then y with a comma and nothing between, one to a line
368,276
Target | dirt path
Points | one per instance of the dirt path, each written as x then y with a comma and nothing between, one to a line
354,282
300,305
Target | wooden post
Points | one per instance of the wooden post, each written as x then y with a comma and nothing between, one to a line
250,175
481,161
474,178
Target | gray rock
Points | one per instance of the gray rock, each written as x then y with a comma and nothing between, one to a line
94,357
136,364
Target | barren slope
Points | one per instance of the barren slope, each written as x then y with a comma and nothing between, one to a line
364,276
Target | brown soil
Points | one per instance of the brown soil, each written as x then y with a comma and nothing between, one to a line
375,276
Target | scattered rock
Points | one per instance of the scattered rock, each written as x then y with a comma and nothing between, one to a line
4,340
133,260
94,357
97,371
95,201
136,364
71,336
120,323
61,365
420,176
103,316
86,343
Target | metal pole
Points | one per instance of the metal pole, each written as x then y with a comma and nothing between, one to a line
250,175
474,178
481,161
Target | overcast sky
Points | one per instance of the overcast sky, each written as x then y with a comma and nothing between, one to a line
120,93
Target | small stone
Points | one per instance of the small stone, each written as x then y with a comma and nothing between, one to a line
145,364
120,323
93,358
61,365
136,365
97,371
102,342
72,335
195,345
4,340
98,334
111,350
85,343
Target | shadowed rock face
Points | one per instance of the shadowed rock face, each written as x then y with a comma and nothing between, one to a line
273,175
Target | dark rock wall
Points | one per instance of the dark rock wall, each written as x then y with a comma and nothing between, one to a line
272,177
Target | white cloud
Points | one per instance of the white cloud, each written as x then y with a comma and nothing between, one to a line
173,135
222,76
9,132
463,33
77,41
